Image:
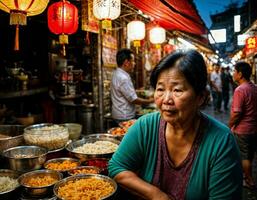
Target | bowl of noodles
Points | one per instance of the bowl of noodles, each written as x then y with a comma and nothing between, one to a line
86,186
8,183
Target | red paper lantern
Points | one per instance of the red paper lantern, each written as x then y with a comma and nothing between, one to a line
62,19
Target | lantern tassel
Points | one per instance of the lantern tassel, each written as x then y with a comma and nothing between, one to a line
16,41
63,50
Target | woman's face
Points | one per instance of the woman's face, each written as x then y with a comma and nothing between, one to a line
175,97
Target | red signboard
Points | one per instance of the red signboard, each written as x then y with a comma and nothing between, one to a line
251,45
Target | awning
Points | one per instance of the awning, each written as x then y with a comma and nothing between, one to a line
173,14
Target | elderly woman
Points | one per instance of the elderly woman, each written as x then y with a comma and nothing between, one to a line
179,152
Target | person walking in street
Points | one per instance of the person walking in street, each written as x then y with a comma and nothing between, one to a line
178,152
226,80
243,118
123,93
216,85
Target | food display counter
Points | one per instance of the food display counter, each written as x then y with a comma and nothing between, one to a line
57,160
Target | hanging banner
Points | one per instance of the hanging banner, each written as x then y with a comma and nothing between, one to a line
250,45
109,51
88,20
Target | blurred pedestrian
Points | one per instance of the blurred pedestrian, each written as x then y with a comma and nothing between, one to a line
216,86
243,118
226,84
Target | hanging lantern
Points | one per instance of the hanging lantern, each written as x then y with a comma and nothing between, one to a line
157,36
106,10
136,32
62,18
19,10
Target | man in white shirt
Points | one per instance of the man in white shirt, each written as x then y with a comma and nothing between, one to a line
216,84
123,93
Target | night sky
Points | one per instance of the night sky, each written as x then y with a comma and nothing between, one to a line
207,7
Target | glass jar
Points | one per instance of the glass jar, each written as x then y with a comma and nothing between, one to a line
50,136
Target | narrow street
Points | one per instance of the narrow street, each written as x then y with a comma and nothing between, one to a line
224,117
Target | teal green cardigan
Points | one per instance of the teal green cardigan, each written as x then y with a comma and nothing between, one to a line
216,172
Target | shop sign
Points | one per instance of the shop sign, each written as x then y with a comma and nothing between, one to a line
88,21
251,45
109,50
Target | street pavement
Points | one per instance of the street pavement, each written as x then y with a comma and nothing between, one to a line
224,117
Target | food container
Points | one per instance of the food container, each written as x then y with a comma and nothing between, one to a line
50,136
11,184
11,136
39,182
62,164
94,146
101,187
25,158
74,130
127,124
117,132
84,170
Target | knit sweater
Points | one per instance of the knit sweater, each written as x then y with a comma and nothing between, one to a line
216,171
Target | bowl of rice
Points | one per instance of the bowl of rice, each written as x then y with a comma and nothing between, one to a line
94,146
97,187
8,183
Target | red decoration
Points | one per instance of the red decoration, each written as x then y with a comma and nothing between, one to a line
62,19
251,45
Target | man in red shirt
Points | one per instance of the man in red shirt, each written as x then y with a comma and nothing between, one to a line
243,118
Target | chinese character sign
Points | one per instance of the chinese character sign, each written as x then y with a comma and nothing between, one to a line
251,45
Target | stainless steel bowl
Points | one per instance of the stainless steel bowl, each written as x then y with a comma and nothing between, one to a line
25,158
11,136
86,176
61,160
88,170
118,135
74,130
91,139
34,190
12,174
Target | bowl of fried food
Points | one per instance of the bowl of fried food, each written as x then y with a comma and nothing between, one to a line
84,170
39,182
98,187
127,124
117,132
62,165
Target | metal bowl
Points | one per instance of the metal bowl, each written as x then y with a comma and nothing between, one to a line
84,170
91,139
117,132
35,190
11,136
75,178
12,174
61,160
25,158
74,130
127,124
